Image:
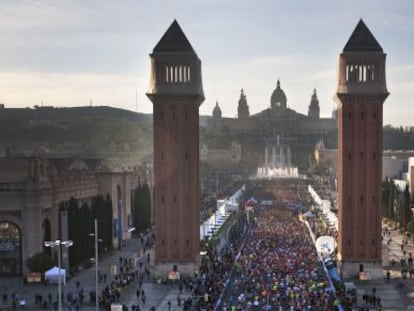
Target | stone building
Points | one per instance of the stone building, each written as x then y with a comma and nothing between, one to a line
275,128
31,191
326,159
221,158
176,91
361,93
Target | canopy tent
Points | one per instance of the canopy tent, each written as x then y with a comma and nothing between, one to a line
52,275
309,214
325,244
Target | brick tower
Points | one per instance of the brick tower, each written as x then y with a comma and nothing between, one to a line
176,91
361,93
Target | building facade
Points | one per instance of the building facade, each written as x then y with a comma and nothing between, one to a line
32,192
221,159
276,126
360,94
176,92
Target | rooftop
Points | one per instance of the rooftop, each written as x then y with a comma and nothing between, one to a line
174,40
362,40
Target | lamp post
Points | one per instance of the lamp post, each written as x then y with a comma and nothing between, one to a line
58,243
96,263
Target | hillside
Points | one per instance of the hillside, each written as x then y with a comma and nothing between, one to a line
78,131
112,132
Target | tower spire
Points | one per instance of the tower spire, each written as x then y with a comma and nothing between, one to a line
176,92
362,40
243,108
360,95
174,40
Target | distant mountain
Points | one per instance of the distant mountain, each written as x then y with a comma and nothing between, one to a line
83,131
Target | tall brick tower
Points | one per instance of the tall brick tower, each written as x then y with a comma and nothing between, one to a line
176,91
361,93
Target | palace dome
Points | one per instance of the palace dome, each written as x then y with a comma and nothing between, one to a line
278,98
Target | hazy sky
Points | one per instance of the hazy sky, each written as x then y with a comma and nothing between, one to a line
66,53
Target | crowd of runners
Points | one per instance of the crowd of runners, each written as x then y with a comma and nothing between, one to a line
270,263
278,267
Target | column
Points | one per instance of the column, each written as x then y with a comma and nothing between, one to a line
64,236
274,156
281,158
289,157
265,164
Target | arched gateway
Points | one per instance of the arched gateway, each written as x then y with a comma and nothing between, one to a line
10,249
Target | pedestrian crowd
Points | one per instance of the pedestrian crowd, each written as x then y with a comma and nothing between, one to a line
129,273
278,267
216,267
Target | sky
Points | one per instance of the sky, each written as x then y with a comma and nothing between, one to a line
67,53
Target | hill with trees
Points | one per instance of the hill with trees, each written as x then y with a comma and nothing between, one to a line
77,131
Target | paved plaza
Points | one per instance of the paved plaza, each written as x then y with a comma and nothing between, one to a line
157,295
396,294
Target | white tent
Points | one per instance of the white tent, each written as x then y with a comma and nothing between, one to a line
309,214
325,244
52,275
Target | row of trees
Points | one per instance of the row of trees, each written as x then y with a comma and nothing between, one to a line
141,207
81,223
397,204
398,138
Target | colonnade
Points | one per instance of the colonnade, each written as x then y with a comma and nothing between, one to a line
279,156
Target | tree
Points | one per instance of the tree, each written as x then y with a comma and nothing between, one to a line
407,213
40,262
74,232
147,206
388,196
108,222
141,207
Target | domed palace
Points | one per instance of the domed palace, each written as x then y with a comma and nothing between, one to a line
277,134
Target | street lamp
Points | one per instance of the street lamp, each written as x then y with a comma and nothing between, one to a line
96,263
58,243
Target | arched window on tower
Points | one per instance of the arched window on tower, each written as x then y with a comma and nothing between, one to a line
360,73
364,73
371,72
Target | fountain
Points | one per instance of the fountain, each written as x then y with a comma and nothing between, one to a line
271,172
